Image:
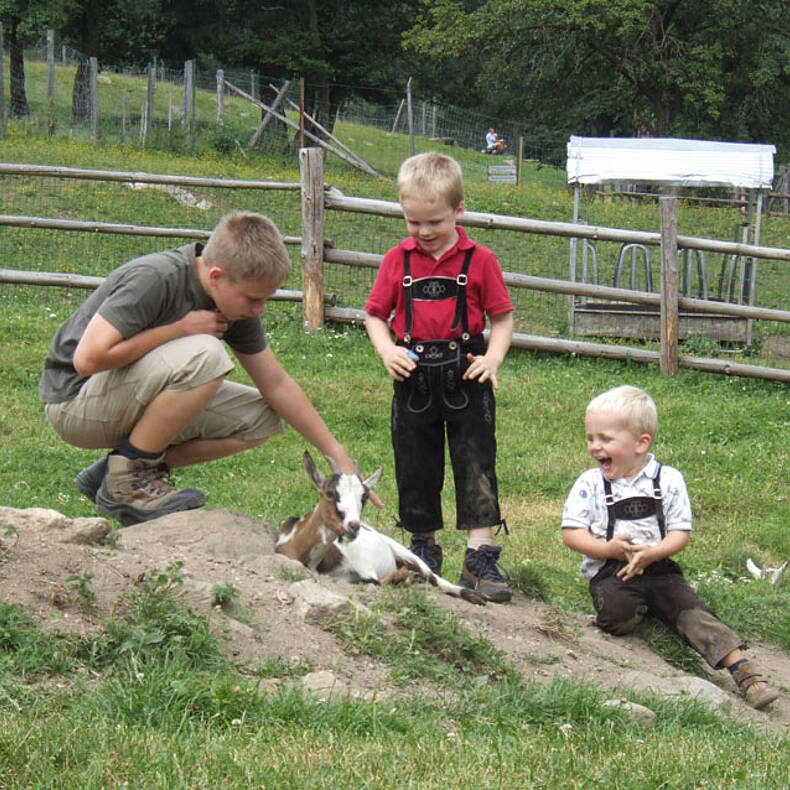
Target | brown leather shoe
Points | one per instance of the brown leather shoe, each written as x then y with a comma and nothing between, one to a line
753,687
135,490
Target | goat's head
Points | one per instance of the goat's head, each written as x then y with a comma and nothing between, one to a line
342,495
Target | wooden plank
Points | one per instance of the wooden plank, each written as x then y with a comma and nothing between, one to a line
477,219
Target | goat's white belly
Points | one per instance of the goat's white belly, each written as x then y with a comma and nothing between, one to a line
367,556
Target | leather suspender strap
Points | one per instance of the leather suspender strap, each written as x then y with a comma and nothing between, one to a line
407,283
461,318
662,525
635,507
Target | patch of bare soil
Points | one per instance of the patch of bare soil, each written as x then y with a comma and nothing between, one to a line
276,616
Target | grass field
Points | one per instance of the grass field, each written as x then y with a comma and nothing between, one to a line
181,727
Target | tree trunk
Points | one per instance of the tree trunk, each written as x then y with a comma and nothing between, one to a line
81,94
326,109
16,56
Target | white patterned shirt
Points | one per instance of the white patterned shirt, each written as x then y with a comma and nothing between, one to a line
585,508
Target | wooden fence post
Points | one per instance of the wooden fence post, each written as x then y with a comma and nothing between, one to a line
94,94
149,101
220,96
410,117
668,360
51,82
189,98
311,168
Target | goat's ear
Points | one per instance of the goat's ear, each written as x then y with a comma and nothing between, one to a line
312,470
373,479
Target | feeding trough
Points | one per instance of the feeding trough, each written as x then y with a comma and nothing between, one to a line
666,162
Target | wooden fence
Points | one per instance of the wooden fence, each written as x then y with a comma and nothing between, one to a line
315,252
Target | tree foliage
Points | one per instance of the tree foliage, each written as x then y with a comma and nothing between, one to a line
658,67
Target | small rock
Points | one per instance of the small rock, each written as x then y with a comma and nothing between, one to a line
637,713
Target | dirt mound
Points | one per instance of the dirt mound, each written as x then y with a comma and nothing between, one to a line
46,557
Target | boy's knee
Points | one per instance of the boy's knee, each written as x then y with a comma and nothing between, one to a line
195,360
616,615
210,347
619,625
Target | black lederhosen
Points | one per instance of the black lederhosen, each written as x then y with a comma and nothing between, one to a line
436,398
661,592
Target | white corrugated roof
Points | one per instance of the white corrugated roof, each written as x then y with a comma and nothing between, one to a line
676,162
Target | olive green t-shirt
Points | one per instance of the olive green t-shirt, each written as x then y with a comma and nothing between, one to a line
149,291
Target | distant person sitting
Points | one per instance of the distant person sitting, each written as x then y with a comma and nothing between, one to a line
494,143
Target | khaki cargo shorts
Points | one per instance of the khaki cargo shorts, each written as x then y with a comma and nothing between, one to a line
110,403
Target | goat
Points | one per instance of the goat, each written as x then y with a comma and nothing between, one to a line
333,539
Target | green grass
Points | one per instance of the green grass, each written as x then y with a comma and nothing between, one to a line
169,711
151,686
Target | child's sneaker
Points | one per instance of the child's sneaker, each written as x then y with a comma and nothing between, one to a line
752,685
482,572
89,479
428,550
134,490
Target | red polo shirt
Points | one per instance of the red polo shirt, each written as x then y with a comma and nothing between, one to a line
486,293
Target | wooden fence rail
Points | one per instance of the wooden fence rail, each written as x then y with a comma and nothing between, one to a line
317,306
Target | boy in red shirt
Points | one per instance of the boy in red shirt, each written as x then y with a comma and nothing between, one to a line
441,286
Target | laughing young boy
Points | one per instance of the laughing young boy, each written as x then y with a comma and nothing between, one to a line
627,516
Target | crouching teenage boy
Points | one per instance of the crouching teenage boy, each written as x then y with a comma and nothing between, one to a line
627,516
140,369
440,286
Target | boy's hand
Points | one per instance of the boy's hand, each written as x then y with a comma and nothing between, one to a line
483,368
397,361
639,557
204,322
619,548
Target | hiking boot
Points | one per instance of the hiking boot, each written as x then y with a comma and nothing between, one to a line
89,479
428,550
135,490
482,572
753,687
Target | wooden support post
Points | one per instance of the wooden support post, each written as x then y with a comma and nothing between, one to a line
669,361
188,120
519,157
410,117
397,116
148,117
301,111
94,94
311,168
220,96
51,82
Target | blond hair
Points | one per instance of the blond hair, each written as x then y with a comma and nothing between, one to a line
248,246
432,176
633,405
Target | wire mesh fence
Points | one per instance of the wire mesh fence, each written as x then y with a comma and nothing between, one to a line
161,107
